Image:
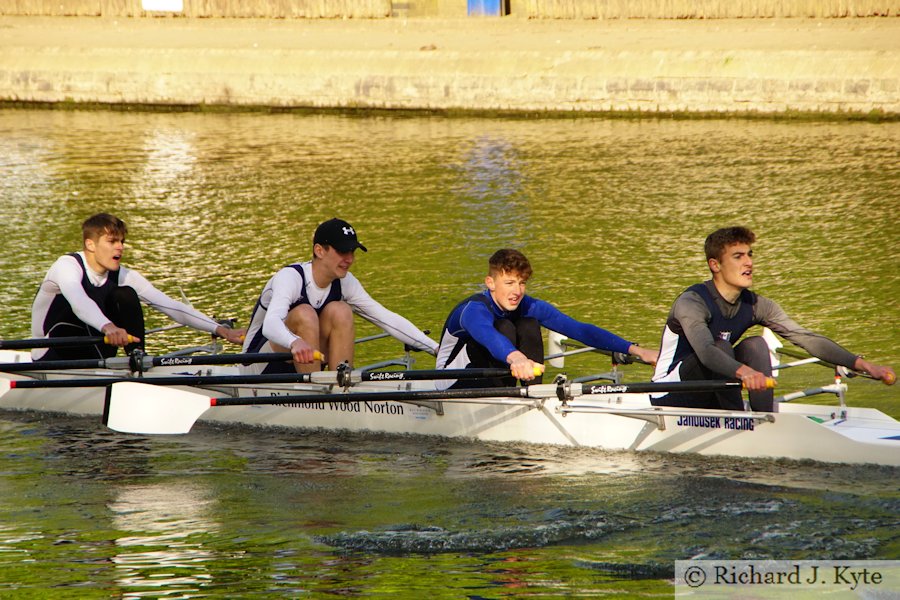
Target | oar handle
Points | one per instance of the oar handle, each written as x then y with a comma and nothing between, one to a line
666,387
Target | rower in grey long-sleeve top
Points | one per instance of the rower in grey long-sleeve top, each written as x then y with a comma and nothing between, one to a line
708,318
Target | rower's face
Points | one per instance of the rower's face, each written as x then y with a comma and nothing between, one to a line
735,268
507,289
336,263
105,252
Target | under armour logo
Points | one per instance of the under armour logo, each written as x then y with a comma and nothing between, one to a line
725,336
349,231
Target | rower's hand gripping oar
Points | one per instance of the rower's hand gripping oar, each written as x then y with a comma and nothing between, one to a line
133,407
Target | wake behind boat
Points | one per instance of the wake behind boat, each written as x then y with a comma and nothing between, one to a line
615,416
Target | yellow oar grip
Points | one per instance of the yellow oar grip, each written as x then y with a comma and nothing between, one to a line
889,378
318,355
770,383
538,370
106,339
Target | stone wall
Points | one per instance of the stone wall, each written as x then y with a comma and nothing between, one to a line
290,9
533,9
708,9
580,82
835,67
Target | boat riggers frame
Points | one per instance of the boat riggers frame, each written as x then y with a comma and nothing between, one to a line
134,407
804,358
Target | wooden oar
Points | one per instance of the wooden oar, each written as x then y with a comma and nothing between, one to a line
59,342
145,363
133,407
317,377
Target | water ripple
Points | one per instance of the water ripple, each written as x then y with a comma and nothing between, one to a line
564,527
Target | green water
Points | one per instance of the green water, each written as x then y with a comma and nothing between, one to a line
612,215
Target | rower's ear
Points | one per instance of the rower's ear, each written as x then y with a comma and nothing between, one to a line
90,245
489,282
714,265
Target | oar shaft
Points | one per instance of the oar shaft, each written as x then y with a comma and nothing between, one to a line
59,342
396,396
321,377
664,387
54,365
425,374
802,356
530,391
841,370
618,357
216,359
147,362
186,380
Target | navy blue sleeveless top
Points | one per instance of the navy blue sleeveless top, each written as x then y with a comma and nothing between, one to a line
722,328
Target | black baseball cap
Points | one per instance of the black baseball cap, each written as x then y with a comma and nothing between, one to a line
338,234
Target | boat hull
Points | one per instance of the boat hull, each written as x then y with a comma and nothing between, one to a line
615,422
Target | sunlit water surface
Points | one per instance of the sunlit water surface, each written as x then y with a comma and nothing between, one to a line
612,215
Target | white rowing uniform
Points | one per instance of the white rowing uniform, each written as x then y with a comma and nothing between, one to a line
66,277
294,285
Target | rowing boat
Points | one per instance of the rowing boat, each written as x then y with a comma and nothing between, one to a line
606,416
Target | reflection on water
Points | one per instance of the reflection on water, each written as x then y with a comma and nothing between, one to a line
170,157
489,192
227,509
612,215
162,548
